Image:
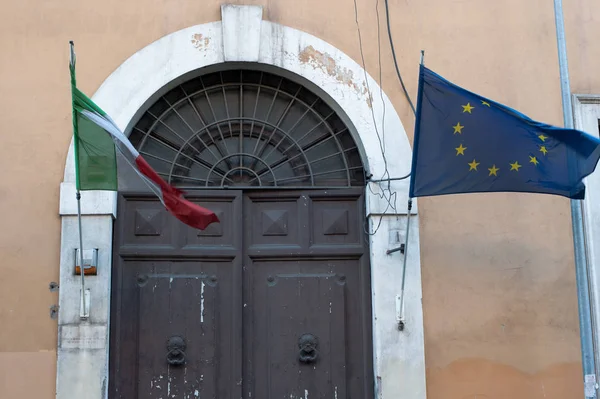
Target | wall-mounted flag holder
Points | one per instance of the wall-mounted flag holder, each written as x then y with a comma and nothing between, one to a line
90,262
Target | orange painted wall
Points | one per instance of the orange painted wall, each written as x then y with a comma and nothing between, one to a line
498,282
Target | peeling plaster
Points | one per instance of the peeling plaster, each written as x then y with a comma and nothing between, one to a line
366,92
200,42
327,63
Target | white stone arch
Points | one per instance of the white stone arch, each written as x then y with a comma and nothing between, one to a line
242,36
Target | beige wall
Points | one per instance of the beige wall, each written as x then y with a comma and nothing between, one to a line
499,289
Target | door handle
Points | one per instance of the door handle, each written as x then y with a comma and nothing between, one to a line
176,350
308,345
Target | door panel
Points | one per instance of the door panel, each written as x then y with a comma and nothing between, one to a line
180,299
275,222
298,304
250,298
144,226
314,279
170,281
336,222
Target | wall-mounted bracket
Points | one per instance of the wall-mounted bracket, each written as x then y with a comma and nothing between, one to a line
84,313
90,262
391,251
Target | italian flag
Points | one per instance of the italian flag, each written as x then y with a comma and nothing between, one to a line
96,140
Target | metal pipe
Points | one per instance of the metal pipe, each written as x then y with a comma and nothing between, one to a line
581,269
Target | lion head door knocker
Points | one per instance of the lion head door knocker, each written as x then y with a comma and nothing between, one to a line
308,345
176,350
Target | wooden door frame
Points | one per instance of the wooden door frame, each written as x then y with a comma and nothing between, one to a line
399,360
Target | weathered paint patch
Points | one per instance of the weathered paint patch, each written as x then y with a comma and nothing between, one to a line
328,64
202,303
200,42
367,93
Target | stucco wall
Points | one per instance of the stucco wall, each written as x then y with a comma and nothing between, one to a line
498,282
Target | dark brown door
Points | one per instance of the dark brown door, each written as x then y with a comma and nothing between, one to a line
274,302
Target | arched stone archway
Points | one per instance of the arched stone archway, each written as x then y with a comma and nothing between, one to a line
242,36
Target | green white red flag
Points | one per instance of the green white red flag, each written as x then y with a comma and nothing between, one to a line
96,137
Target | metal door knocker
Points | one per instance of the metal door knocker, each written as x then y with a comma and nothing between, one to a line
308,344
176,350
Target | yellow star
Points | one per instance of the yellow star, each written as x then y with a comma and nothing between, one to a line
542,137
485,103
467,108
533,160
473,165
458,128
543,149
460,150
493,170
515,166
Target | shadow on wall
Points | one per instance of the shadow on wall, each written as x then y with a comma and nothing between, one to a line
485,379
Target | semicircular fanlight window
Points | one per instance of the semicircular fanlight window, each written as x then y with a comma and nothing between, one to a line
247,128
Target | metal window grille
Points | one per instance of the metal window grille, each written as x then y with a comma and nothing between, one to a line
245,128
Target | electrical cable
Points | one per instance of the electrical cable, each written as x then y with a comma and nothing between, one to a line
392,196
390,179
389,29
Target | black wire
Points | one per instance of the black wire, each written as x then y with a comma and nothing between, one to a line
389,29
362,56
389,179
380,76
386,172
392,196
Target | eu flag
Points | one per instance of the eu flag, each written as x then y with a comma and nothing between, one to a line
465,143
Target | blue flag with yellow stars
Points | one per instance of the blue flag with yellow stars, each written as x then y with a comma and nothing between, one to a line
465,143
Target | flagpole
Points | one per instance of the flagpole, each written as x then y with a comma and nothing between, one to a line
83,313
401,306
408,213
581,268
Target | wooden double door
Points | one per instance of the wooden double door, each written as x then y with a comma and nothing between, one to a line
273,302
